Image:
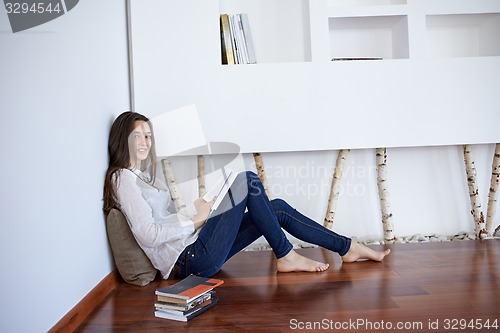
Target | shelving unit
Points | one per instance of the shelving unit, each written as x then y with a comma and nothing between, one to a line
440,69
319,30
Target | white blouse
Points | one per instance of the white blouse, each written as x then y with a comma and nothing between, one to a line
159,230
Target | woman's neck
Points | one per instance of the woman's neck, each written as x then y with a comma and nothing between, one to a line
135,165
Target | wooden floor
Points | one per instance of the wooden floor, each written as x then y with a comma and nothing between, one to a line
429,287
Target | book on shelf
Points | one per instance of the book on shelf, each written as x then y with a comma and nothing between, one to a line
226,43
245,26
236,43
236,39
187,298
357,58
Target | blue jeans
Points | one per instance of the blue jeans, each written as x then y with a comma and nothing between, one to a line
232,228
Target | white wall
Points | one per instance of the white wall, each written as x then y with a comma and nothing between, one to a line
62,84
427,185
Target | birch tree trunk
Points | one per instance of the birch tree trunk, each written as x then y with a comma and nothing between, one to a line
475,201
202,189
493,194
259,164
179,203
383,191
335,189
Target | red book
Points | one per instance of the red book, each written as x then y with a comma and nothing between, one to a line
189,288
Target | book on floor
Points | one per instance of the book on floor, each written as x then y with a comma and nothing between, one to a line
171,303
189,288
187,315
187,298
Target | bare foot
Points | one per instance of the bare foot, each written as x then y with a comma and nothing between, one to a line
294,262
360,252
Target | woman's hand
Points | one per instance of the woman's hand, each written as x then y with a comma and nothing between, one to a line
203,209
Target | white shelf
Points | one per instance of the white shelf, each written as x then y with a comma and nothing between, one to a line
367,11
361,3
463,35
351,104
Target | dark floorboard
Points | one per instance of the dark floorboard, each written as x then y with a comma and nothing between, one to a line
427,287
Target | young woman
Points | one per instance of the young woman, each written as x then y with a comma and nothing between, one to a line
196,243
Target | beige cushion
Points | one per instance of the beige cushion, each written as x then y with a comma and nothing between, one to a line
132,263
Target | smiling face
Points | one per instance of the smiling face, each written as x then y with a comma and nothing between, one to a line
139,143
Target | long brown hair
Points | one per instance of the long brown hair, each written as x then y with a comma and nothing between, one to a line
119,156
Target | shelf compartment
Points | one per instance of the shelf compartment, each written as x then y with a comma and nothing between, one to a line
383,37
279,28
463,35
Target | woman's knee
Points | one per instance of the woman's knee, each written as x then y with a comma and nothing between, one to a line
252,179
280,205
246,177
251,175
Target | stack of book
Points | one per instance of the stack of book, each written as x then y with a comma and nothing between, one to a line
236,40
186,299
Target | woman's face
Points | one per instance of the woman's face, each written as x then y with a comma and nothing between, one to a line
139,142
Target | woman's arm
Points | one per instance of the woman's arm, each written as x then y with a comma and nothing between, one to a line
203,209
